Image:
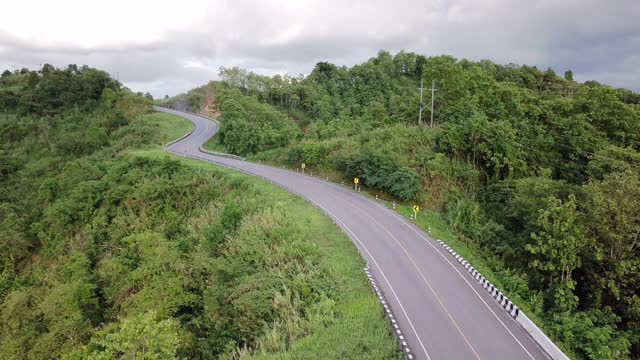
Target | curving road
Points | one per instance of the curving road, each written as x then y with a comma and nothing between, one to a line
443,311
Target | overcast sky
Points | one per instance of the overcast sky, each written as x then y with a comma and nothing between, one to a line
172,47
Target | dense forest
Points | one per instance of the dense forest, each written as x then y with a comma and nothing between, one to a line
110,248
540,172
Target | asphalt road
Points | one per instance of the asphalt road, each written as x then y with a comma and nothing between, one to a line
443,311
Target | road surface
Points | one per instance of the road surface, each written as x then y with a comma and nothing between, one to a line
442,310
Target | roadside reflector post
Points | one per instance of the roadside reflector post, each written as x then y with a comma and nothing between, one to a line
342,183
376,196
394,205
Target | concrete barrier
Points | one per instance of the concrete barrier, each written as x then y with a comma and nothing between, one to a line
529,326
541,338
215,153
178,139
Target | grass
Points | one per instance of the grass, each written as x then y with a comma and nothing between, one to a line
214,144
358,308
170,126
359,327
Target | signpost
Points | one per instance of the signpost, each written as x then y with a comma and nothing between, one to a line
303,166
416,208
356,181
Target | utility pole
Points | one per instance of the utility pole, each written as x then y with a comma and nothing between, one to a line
433,89
421,88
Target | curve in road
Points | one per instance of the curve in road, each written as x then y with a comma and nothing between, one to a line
444,312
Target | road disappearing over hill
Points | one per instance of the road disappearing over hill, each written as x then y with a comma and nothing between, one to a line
443,311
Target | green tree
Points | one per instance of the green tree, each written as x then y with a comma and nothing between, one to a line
561,240
615,225
568,75
145,336
613,159
14,242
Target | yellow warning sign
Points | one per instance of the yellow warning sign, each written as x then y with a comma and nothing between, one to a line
356,180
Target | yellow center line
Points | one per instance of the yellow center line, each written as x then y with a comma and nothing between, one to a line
428,242
444,307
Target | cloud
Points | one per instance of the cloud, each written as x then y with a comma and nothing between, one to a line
167,49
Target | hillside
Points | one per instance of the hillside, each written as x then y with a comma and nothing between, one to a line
111,248
537,174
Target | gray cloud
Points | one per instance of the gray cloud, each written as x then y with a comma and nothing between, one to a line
596,40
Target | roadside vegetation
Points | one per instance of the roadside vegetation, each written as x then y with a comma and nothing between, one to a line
111,248
537,175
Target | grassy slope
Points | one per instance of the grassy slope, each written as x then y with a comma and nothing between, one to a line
358,308
171,127
214,144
